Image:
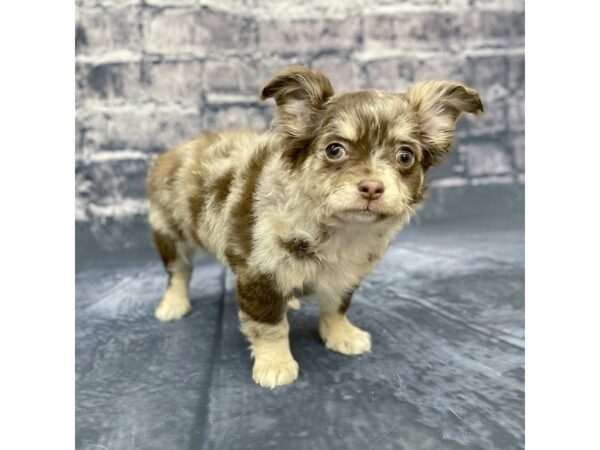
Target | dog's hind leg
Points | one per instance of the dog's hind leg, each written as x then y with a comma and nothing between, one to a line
177,258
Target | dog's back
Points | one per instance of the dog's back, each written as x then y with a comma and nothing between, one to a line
195,187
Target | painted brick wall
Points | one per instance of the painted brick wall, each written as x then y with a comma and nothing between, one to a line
151,73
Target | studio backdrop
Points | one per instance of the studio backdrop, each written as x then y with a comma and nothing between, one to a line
152,74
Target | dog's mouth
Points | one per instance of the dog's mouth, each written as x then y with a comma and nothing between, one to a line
365,214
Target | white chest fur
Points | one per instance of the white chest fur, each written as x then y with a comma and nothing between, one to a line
307,257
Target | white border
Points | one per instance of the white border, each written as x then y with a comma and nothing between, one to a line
36,226
562,225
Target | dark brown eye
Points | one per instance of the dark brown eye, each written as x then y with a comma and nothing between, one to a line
335,152
405,157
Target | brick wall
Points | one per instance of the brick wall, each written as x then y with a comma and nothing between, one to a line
151,73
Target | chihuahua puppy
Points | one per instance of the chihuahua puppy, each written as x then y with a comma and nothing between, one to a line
308,208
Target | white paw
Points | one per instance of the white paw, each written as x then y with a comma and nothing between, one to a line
273,372
172,309
345,338
293,303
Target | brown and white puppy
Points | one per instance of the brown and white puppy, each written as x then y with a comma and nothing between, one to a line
308,208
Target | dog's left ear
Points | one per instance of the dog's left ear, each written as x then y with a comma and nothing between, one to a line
437,105
300,94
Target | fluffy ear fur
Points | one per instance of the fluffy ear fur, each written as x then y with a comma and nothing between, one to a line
438,105
299,93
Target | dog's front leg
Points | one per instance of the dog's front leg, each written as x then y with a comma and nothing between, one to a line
336,330
264,323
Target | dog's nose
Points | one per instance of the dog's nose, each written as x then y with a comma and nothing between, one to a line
370,189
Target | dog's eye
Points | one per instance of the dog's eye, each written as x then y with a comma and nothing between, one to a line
405,157
335,152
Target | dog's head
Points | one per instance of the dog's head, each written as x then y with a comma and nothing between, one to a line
362,156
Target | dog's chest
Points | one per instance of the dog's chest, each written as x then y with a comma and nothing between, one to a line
337,262
352,252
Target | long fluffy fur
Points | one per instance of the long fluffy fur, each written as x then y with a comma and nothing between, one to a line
288,220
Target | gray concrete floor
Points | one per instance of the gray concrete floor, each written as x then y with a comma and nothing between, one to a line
444,308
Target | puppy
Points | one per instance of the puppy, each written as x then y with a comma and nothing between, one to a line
308,208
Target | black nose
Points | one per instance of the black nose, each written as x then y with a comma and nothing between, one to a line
370,189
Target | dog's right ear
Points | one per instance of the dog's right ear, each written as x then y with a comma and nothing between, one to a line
300,94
